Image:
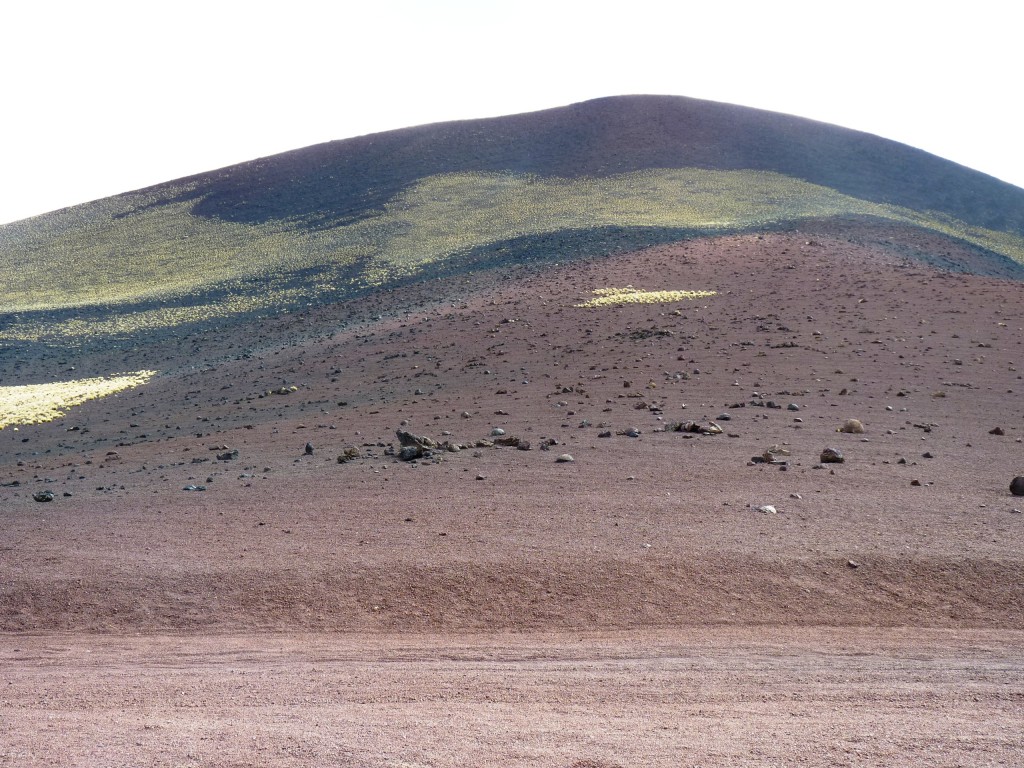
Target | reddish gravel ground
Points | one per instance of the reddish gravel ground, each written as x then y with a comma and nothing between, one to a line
493,607
728,696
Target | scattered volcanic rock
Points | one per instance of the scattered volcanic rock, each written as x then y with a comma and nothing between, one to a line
711,428
565,458
409,440
1017,486
349,454
774,455
511,441
852,427
832,456
43,496
411,452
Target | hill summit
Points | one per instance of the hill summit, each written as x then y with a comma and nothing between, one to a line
333,221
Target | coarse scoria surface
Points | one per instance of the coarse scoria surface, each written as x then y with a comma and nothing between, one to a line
492,607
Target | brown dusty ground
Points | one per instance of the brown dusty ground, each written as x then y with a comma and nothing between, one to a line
737,697
494,607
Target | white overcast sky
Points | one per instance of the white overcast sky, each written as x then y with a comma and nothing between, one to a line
102,97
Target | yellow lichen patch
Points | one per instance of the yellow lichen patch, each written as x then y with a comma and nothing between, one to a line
38,403
129,323
607,297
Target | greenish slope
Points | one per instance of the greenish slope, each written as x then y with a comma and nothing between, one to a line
167,256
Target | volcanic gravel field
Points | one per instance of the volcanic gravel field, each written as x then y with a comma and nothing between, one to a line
668,598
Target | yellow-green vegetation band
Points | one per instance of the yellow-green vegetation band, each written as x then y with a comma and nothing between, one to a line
38,403
140,247
608,297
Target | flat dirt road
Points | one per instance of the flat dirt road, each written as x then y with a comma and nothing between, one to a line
736,697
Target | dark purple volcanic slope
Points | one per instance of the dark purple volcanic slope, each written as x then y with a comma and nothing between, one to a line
339,181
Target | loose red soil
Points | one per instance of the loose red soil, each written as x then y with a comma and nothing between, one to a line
495,607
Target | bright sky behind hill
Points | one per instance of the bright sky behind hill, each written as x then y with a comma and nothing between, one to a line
104,97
